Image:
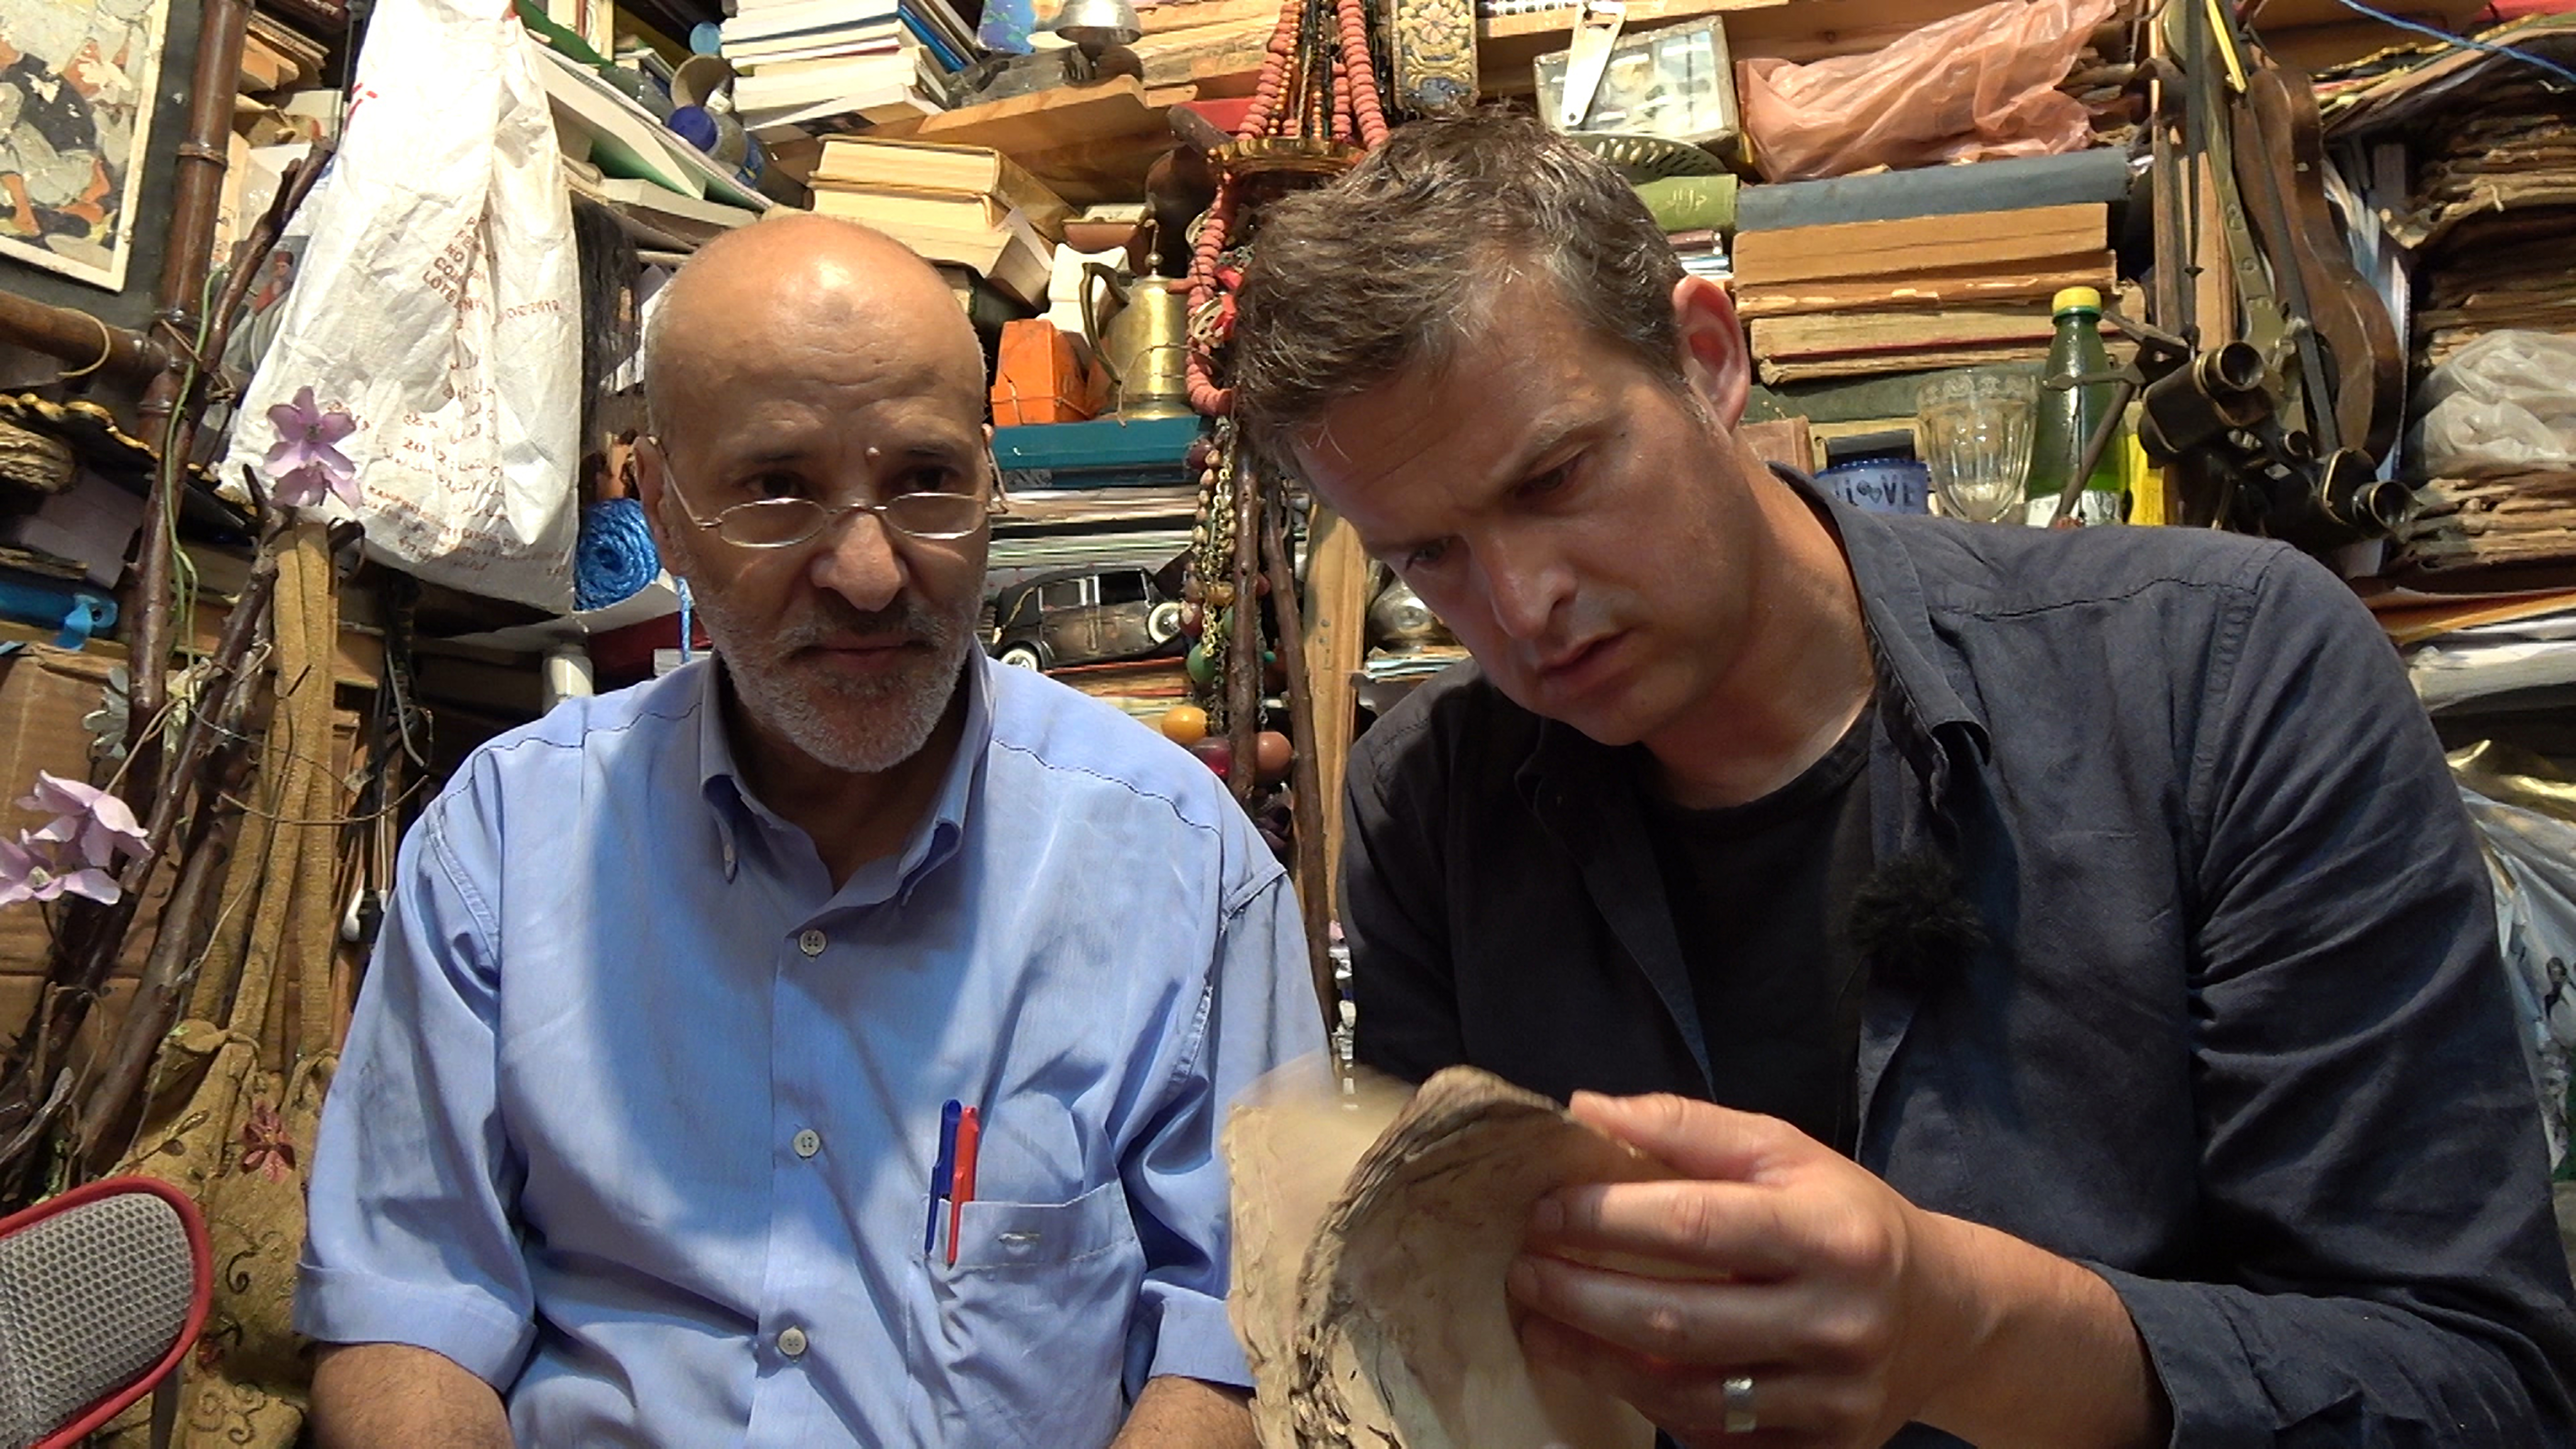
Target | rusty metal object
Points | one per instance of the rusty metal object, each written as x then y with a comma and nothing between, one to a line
91,346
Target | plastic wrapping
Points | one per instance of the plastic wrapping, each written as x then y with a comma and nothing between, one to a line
2505,404
1974,86
438,303
2531,862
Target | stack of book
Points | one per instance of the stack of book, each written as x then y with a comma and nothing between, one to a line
1913,295
968,206
804,67
1702,252
1093,494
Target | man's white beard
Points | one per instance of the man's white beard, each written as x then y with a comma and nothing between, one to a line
861,726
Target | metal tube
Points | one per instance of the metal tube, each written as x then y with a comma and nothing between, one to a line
77,337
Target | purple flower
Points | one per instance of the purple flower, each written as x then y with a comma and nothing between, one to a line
41,870
85,816
305,465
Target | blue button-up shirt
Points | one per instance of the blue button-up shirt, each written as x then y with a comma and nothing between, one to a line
638,1114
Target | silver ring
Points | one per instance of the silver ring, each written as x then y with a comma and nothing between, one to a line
1739,1404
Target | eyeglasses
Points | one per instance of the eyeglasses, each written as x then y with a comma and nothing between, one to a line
786,522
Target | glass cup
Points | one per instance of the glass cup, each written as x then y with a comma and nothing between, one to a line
1972,430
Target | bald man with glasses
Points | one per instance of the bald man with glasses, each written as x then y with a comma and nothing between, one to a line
646,1128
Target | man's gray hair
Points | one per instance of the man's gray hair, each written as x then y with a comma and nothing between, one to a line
1395,264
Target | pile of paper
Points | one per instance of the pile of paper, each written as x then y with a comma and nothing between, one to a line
2491,203
1368,1264
2509,530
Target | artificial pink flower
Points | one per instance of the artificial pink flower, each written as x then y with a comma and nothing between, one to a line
41,870
305,465
99,823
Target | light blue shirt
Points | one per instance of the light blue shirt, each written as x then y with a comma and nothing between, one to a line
637,1116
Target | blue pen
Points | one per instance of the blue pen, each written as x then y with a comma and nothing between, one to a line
943,1172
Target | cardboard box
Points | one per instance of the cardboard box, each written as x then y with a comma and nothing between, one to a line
44,694
1045,375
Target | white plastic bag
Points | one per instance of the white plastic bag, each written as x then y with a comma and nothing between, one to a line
2505,403
438,304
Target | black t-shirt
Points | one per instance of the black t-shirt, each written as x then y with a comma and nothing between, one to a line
1761,902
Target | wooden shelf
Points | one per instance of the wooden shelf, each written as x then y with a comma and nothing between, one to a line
1557,23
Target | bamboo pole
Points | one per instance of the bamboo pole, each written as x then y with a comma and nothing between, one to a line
1304,790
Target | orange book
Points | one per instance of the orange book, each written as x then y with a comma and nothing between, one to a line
1045,375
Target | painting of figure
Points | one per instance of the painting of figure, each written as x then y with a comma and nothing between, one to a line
77,79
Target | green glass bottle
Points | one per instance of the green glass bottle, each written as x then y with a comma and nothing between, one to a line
2068,416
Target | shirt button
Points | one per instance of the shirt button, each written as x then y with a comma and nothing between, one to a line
808,1142
811,943
791,1342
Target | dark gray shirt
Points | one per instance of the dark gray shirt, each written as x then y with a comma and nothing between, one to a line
2209,1001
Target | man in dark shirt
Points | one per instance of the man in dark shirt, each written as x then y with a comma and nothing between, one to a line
2062,966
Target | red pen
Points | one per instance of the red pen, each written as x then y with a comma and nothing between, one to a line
962,1192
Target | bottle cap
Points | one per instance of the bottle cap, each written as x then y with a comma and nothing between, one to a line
2083,297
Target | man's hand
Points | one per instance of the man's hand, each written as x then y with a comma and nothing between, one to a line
1852,1311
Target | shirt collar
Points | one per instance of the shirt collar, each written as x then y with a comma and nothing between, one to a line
932,842
1897,619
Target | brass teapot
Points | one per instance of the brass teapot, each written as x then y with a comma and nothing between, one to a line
1146,343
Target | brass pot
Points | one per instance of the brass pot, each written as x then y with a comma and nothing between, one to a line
1145,345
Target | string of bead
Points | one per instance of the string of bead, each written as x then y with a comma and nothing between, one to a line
1339,97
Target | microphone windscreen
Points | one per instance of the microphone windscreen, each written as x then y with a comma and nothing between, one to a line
91,1300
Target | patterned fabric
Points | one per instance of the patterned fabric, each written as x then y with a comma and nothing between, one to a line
237,1093
1434,46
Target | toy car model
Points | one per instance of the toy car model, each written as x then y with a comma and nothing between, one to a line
1083,616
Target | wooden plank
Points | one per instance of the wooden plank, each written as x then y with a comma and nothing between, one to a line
1829,334
2038,280
1815,369
1206,53
2213,303
1089,143
1337,596
1557,22
1917,244
1045,120
1162,19
1785,441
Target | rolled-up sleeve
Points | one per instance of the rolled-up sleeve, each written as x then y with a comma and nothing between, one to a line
2370,1158
1258,1011
410,1237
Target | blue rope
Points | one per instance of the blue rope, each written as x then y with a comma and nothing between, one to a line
614,558
2465,42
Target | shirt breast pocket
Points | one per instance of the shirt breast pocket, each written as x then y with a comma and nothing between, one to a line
1028,1327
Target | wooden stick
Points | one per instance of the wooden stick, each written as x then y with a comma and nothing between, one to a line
81,967
1305,790
148,661
117,1085
1243,654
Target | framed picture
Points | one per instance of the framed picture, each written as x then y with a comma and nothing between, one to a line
79,85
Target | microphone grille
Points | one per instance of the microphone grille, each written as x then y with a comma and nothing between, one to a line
91,1299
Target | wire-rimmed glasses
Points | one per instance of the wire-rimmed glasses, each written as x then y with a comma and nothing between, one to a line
933,517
